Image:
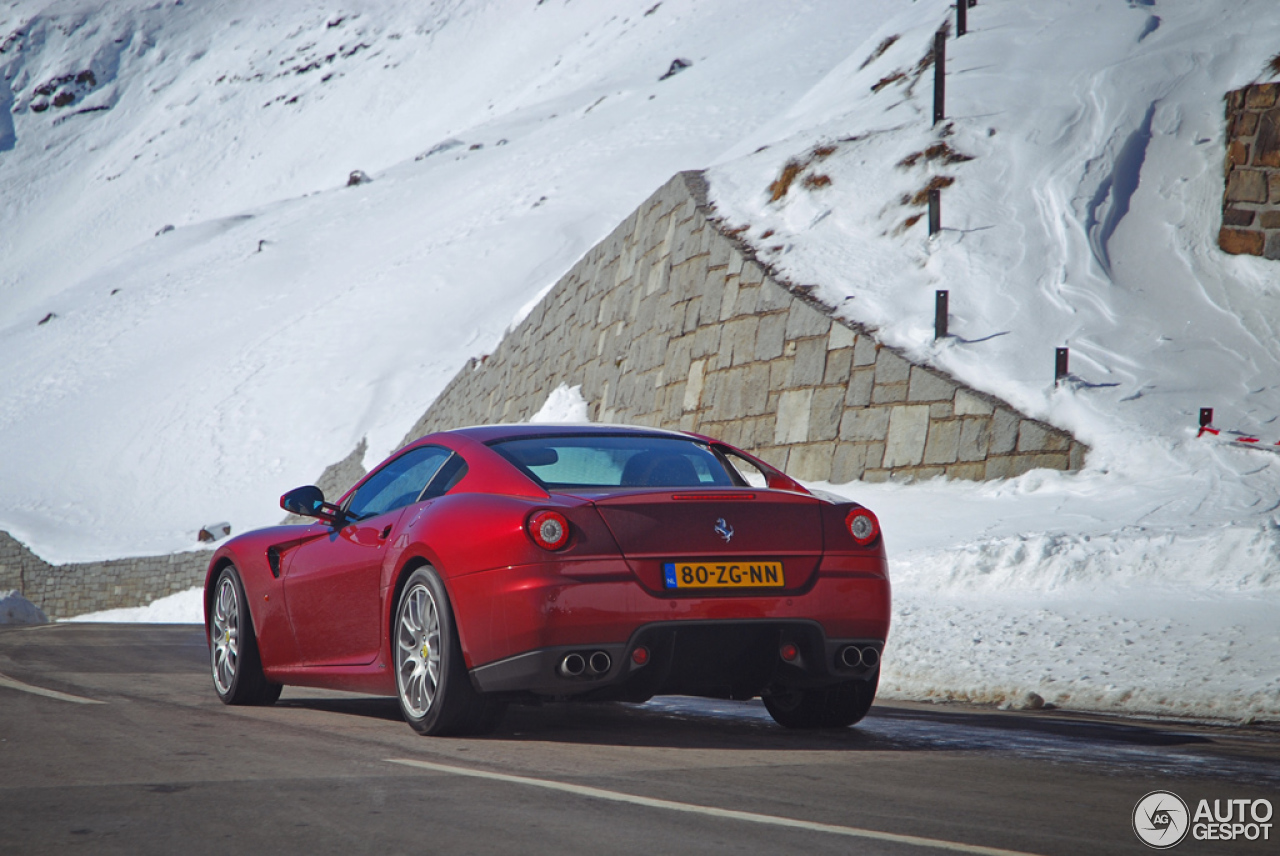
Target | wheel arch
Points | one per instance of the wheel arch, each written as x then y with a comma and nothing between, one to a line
410,565
216,567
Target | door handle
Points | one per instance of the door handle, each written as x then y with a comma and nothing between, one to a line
385,532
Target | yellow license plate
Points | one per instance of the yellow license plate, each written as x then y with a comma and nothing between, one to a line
719,574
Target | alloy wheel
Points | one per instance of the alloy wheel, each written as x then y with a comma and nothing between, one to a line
225,634
418,660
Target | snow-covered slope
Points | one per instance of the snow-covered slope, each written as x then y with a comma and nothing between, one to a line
1084,213
189,374
192,374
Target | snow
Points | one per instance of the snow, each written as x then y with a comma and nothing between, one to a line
189,374
1047,584
184,607
564,404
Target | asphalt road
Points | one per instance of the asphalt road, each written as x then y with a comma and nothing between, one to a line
158,765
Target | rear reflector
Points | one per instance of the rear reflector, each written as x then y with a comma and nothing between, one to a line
640,656
788,652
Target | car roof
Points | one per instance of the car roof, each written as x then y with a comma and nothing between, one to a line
492,433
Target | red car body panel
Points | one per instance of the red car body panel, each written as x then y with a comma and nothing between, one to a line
322,599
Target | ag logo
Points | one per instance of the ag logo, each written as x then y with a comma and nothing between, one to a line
1160,819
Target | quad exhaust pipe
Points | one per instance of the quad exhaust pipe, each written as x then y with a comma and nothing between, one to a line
572,666
853,657
575,665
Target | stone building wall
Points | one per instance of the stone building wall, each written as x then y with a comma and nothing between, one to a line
1251,202
74,589
670,322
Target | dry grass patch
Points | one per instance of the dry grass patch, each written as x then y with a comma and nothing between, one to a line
878,52
792,169
1273,65
936,183
782,183
907,223
936,152
915,73
887,79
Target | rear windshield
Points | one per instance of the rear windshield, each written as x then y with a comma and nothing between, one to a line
615,460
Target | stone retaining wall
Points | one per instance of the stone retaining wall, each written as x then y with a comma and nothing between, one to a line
74,589
1251,201
671,322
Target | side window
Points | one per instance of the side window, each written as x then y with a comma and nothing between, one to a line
447,477
399,483
749,472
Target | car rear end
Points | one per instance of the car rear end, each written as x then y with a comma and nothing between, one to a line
658,568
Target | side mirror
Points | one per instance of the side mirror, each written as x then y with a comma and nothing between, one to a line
304,501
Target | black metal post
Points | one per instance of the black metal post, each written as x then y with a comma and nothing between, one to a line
939,70
935,211
962,17
1206,417
940,315
1060,365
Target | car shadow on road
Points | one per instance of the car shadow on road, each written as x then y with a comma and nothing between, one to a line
681,722
369,707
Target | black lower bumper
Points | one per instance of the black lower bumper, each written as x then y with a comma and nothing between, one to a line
722,659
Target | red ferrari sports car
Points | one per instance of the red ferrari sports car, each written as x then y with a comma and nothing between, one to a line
487,565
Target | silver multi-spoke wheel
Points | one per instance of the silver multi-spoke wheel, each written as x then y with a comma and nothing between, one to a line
224,633
233,649
418,650
432,685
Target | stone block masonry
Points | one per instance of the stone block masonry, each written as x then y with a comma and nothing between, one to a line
63,591
1251,200
671,322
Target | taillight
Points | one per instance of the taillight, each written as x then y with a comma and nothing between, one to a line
549,530
863,526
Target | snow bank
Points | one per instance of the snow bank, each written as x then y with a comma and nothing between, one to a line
564,404
184,607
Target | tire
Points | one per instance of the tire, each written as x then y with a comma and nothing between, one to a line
432,685
837,706
233,647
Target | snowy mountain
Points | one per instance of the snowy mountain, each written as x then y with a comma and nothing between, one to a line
159,378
